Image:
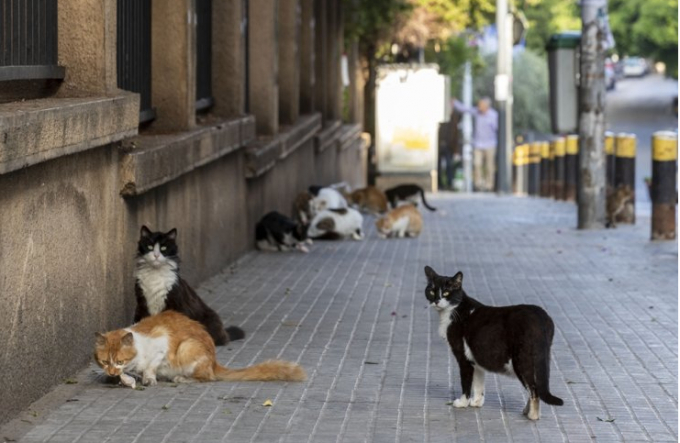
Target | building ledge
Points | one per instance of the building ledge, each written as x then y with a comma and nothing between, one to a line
150,161
348,136
328,136
262,155
35,131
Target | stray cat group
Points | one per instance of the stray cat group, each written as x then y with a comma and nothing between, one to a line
331,213
175,331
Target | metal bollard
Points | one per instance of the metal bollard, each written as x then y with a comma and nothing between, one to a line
559,148
624,172
571,168
609,151
534,168
519,169
546,170
664,184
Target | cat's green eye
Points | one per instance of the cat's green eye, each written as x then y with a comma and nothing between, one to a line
150,248
431,292
120,362
163,248
446,294
105,362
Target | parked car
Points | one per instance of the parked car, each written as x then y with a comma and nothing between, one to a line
609,74
635,67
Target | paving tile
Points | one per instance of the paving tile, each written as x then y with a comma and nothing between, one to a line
354,315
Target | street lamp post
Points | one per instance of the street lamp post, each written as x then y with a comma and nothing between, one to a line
503,95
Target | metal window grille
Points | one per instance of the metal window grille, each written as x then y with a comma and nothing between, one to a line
28,40
134,52
204,99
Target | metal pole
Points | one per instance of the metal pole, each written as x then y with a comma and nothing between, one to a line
467,127
502,86
591,187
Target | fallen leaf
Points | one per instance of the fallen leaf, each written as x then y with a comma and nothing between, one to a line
70,381
371,363
449,403
394,313
139,388
267,403
165,407
71,400
404,316
606,420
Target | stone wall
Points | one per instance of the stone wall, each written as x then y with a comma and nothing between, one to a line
78,177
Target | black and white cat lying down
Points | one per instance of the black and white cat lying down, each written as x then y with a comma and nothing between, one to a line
276,232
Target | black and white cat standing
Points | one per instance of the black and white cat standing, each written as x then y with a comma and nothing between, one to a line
158,286
510,340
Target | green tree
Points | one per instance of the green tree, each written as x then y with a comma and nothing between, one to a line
530,110
547,17
648,28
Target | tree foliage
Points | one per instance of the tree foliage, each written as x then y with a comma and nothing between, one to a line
648,28
530,110
547,17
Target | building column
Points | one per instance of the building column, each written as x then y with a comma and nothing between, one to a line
320,58
356,85
87,46
333,39
263,94
307,78
173,64
289,61
229,58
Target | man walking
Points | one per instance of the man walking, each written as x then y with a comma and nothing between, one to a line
485,140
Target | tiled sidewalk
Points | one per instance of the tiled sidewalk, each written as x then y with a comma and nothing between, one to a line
354,315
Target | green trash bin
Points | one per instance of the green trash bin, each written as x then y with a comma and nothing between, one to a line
563,53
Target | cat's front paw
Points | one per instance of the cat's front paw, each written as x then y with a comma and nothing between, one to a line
149,381
477,401
462,402
309,241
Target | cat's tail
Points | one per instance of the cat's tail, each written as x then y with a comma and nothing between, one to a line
235,333
270,370
542,368
422,195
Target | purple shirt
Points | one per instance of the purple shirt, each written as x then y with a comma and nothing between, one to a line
486,126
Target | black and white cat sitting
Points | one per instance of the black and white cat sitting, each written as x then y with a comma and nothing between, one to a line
276,232
510,340
158,286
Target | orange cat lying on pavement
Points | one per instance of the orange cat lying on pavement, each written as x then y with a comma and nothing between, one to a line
171,346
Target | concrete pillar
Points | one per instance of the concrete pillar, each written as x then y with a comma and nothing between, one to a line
307,56
289,61
229,58
356,85
263,94
173,64
87,46
320,58
333,36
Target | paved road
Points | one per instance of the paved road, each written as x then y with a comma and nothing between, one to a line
354,315
642,106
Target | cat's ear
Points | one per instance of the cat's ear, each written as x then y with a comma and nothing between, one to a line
145,232
172,234
127,339
429,273
457,280
101,340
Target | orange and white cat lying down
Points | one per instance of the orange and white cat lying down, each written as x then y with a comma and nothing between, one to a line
173,347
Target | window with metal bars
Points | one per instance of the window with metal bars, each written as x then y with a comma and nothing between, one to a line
204,99
28,40
134,52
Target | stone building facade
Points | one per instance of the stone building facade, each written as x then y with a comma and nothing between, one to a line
79,173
